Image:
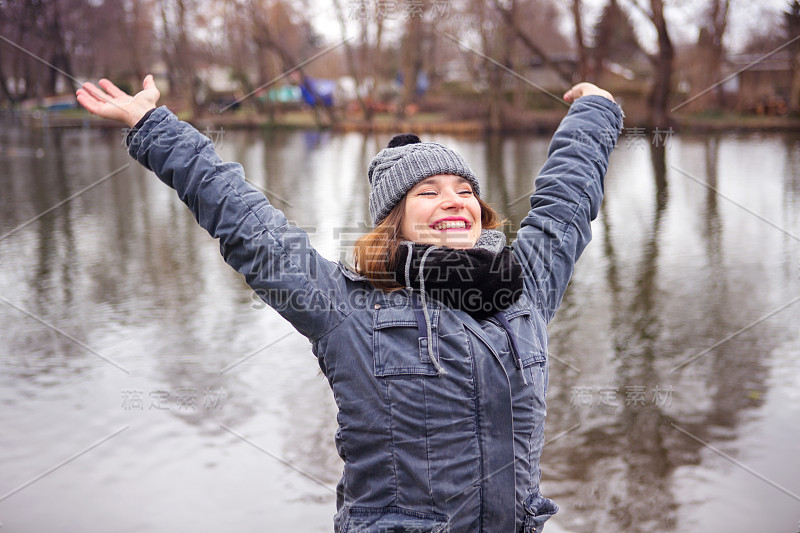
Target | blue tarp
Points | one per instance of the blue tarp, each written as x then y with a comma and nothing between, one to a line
323,88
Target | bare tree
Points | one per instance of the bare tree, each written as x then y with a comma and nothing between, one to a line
615,41
47,44
498,47
239,53
411,58
178,50
662,61
60,46
371,51
583,56
505,98
185,56
792,21
351,63
12,26
710,44
274,31
513,22
137,28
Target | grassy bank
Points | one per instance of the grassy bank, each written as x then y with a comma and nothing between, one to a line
540,122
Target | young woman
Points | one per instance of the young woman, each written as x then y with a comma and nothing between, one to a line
435,345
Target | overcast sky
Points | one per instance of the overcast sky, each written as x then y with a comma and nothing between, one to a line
682,14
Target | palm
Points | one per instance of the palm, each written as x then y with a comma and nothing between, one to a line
112,103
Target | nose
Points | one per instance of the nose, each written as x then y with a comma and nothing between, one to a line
452,200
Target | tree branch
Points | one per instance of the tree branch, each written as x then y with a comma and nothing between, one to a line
511,21
652,58
642,9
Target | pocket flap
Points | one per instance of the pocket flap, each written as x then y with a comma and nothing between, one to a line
400,316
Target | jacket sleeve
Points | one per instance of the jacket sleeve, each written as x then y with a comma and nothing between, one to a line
567,198
255,238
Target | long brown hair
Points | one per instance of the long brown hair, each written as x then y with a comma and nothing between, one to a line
375,254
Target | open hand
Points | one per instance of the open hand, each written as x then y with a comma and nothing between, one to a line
585,89
112,103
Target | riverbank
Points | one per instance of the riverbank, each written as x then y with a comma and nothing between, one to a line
728,122
542,122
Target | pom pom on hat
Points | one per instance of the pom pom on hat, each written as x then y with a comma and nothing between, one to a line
402,140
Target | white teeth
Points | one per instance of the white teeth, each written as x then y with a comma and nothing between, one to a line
450,224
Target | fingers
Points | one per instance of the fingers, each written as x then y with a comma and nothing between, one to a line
150,91
95,92
99,103
577,91
584,89
88,101
93,105
112,89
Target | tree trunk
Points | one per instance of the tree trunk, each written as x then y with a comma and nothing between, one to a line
583,59
351,64
168,50
411,62
493,46
792,17
658,99
371,56
132,32
60,55
264,39
187,76
720,21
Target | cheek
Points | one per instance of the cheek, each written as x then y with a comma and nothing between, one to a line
475,210
414,220
417,216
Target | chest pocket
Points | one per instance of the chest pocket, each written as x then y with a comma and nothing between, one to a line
400,343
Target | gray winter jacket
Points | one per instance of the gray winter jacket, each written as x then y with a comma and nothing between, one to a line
422,452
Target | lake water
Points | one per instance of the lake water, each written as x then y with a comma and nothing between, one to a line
145,389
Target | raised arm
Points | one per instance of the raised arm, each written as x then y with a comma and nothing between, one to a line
275,257
568,193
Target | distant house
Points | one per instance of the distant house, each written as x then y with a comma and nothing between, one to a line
761,85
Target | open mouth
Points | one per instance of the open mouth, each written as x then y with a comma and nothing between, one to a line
444,225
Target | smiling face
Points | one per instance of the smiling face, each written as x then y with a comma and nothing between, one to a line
442,210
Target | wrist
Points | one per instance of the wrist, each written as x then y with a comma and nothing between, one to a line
134,130
136,115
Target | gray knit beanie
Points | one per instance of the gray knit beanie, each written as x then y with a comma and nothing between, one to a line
406,162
